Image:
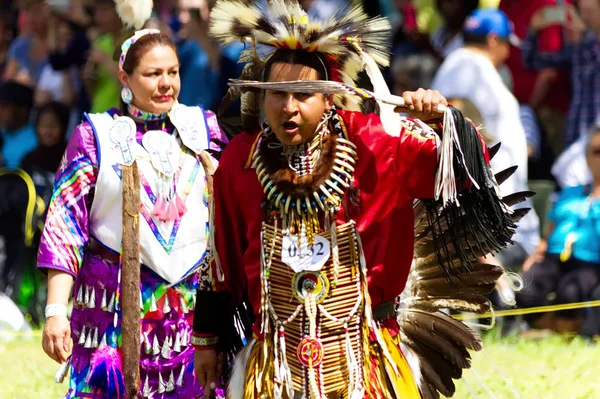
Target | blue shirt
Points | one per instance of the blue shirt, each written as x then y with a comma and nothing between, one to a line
19,50
17,144
574,213
200,85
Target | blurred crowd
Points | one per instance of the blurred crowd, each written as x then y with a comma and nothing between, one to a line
525,71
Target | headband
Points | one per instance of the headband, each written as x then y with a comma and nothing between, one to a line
129,42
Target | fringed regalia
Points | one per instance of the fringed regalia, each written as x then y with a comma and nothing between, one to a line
323,237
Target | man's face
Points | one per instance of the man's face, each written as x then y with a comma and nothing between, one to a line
499,49
187,8
294,117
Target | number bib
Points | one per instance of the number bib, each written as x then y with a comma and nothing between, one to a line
313,260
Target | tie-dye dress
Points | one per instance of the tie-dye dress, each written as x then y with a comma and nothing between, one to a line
166,368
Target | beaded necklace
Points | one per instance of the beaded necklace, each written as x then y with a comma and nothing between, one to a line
300,213
144,115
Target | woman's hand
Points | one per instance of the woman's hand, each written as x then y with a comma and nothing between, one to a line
56,338
422,104
209,367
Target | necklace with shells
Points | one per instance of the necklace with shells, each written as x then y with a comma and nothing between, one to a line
300,213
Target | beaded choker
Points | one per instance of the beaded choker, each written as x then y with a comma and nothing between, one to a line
137,113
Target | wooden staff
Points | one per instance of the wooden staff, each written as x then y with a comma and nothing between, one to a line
130,280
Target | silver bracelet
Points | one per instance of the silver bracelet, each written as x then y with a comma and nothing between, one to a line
55,309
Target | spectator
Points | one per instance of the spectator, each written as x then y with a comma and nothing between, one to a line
28,54
471,73
412,72
570,169
591,324
581,55
546,91
568,261
16,101
454,13
71,54
61,86
429,19
406,38
5,39
100,71
321,9
42,163
205,68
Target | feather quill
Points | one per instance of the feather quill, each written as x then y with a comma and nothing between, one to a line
517,198
493,150
502,176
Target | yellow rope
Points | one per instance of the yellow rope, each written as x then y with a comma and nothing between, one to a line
30,202
466,316
538,309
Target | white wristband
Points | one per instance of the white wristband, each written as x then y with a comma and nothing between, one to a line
56,309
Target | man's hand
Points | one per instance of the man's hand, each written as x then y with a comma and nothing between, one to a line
56,338
209,367
530,261
422,104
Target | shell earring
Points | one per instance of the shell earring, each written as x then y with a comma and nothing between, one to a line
126,95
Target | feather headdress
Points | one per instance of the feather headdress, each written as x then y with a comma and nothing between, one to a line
348,41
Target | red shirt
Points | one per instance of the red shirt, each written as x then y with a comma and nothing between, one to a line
390,173
550,40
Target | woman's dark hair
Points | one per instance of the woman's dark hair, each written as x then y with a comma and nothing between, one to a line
59,110
142,46
137,51
315,61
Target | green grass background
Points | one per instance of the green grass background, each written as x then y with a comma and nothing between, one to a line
552,368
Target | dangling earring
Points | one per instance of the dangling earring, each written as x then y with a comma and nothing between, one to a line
126,95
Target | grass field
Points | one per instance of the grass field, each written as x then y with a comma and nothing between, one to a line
552,368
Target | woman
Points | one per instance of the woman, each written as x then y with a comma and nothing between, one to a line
314,221
82,237
568,261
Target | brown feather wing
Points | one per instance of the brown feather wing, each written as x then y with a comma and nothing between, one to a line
447,275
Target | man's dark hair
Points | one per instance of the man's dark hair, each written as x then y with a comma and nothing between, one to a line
474,38
314,60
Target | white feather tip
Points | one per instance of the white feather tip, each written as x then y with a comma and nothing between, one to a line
134,13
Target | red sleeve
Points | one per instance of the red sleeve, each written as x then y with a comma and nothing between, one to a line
417,157
228,229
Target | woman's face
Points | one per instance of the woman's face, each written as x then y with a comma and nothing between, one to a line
593,155
155,81
49,130
294,117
